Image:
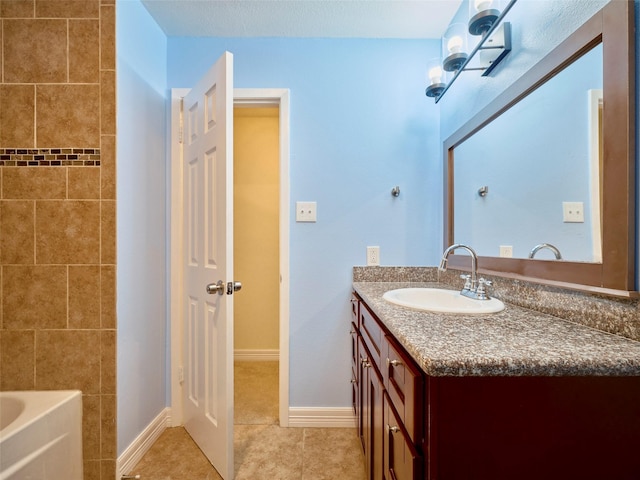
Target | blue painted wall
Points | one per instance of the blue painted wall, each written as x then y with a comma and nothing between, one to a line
141,225
360,124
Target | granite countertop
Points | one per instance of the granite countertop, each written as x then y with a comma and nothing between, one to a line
514,342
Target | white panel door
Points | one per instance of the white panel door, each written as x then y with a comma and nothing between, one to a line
208,259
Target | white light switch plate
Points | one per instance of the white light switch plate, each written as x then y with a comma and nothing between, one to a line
306,211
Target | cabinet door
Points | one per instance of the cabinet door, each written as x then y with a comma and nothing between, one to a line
355,382
401,459
371,395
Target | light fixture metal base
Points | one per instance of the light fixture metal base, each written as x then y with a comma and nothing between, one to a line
435,90
454,62
482,21
497,46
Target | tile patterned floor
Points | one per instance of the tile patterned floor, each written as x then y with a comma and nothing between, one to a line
263,450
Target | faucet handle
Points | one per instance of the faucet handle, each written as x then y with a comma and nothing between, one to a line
481,292
467,281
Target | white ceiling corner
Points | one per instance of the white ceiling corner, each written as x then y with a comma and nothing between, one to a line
303,18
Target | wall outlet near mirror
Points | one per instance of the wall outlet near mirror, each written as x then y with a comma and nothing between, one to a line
506,251
573,212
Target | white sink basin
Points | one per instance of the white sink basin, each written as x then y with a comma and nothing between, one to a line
441,300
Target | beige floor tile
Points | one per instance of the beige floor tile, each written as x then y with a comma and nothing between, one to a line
331,453
265,452
262,449
175,456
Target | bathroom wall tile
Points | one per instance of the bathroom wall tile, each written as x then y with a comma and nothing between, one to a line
108,362
17,8
108,296
17,226
68,115
84,51
108,101
17,116
108,2
68,359
35,51
1,45
108,167
108,232
67,232
84,297
108,37
84,183
34,183
108,426
24,290
68,8
90,427
17,360
91,470
107,469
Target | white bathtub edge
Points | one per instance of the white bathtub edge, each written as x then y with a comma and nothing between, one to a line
142,443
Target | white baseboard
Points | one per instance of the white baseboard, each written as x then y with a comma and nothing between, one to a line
321,417
143,442
256,355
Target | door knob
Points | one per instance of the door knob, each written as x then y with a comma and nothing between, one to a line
233,287
216,288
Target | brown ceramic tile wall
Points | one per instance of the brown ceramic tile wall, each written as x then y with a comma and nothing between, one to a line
57,209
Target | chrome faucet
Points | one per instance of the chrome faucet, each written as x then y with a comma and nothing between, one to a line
555,251
473,288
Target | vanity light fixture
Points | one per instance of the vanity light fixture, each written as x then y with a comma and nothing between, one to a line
482,15
494,45
436,78
454,47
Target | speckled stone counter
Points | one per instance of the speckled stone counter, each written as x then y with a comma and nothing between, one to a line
514,342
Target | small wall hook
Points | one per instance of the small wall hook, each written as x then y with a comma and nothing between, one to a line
395,191
482,191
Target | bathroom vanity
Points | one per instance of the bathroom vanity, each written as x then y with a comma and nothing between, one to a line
512,395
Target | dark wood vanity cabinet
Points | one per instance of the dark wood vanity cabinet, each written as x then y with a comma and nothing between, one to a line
388,397
416,426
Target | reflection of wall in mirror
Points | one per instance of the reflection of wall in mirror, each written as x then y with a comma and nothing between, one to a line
533,158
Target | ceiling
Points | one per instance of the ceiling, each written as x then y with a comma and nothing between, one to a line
303,18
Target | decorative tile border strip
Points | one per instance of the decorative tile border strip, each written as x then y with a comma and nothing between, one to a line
49,157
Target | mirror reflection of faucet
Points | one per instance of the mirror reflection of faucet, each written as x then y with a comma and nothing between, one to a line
473,288
541,246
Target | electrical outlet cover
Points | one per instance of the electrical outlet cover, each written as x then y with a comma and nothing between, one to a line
306,211
373,256
573,212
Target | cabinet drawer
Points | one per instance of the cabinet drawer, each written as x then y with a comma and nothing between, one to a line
372,335
403,381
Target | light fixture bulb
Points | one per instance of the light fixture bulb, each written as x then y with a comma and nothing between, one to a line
454,45
481,5
435,75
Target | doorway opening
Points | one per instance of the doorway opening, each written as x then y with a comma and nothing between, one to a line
277,99
256,180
